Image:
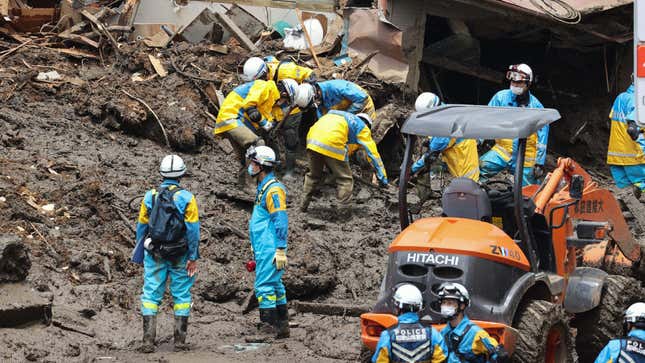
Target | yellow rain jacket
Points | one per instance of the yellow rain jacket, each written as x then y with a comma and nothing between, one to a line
260,94
330,135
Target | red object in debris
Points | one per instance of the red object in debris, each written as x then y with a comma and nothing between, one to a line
640,61
250,266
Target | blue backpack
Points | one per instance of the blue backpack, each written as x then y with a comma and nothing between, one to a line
166,227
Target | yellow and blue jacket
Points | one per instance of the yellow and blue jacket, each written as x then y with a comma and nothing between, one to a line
286,69
259,94
426,345
339,94
186,205
475,346
536,144
622,149
617,350
332,133
459,154
269,222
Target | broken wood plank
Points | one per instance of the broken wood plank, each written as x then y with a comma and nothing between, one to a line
218,48
244,40
75,53
80,39
329,309
159,40
156,64
4,7
13,35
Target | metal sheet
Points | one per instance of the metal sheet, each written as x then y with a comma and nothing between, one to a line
479,122
370,32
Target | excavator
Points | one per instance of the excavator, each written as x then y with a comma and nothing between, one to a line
519,251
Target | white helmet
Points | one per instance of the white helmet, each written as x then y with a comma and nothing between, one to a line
291,87
408,294
366,118
305,95
172,166
635,314
453,290
254,68
426,101
262,155
519,73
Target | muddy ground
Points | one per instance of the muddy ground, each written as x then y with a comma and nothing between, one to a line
89,149
85,146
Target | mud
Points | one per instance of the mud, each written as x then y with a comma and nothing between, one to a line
88,149
77,155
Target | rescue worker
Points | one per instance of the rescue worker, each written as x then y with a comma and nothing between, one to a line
158,269
632,348
466,342
327,142
268,233
409,341
245,110
337,94
460,155
626,151
270,68
503,155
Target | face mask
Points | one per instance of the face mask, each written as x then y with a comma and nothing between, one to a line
448,311
251,172
517,90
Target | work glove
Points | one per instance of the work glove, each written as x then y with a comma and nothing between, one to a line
500,355
538,171
266,125
633,130
280,259
254,114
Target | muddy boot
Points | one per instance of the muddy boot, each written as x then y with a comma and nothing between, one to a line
181,328
266,329
282,324
304,204
289,165
149,333
638,193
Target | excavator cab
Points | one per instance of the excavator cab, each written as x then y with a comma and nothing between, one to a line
514,248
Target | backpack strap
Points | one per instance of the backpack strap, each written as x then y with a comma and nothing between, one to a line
155,194
264,189
454,344
277,70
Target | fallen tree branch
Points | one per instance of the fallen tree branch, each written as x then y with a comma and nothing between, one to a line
13,50
163,130
60,325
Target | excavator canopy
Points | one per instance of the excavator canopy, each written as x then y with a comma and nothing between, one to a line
479,122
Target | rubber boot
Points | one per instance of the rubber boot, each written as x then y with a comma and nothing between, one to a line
181,328
304,205
282,324
149,333
289,164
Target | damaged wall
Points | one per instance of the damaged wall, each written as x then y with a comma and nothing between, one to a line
410,17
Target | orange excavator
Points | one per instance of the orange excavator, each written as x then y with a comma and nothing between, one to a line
517,250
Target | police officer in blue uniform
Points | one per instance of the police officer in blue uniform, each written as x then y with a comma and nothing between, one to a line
630,349
268,232
409,341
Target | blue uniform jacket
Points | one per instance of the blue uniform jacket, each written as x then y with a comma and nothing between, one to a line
437,342
338,90
187,206
610,353
474,346
269,229
506,98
